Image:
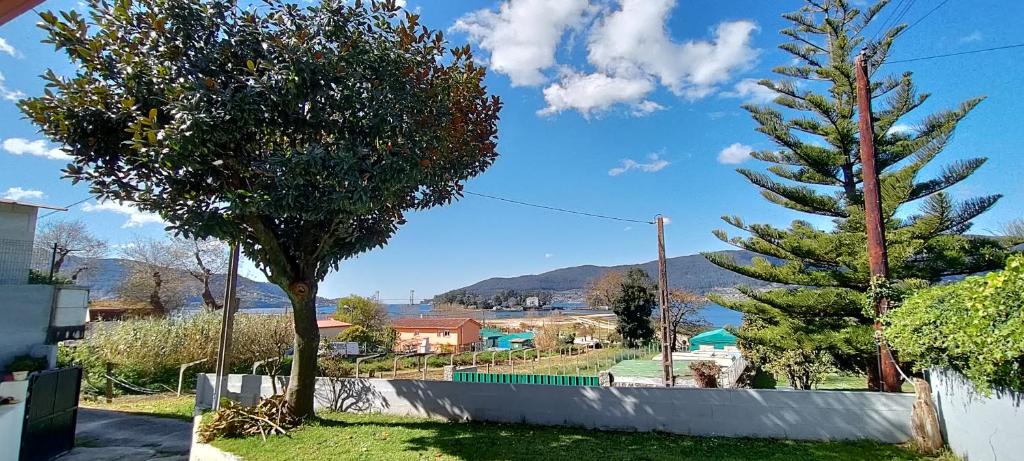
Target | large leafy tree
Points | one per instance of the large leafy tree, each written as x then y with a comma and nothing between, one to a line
305,134
371,318
814,168
633,307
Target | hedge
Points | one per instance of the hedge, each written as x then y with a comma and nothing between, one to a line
975,326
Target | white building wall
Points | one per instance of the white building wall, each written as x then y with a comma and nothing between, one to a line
25,310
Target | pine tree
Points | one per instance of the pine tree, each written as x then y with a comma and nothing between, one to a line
633,307
815,169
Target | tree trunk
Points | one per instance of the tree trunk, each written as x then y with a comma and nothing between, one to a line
208,299
302,384
871,369
154,296
58,262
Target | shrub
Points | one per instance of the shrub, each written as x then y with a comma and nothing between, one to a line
148,351
705,373
975,326
335,367
27,363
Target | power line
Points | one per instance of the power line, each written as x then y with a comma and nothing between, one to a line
69,206
961,53
562,210
888,19
922,18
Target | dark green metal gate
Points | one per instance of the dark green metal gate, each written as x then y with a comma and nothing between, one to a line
51,413
508,378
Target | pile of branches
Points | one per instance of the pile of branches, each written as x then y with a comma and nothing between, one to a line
705,373
269,417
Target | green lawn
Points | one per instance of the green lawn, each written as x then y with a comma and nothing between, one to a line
345,436
162,405
842,382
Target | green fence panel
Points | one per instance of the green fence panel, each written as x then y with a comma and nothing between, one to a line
508,378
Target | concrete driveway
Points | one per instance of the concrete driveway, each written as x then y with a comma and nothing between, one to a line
107,435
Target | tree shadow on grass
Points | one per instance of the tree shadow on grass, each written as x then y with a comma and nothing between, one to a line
493,442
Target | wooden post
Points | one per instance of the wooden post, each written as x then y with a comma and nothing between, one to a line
227,323
877,255
666,353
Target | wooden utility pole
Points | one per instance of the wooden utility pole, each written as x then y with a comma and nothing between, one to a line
227,324
666,351
889,378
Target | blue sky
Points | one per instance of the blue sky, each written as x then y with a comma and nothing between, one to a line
605,112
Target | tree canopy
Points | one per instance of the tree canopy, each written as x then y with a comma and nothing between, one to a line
304,134
814,169
633,307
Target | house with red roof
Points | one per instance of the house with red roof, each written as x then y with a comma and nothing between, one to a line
330,328
436,335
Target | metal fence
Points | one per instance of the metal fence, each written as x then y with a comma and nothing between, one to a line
509,378
19,257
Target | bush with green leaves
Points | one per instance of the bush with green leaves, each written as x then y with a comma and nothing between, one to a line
975,326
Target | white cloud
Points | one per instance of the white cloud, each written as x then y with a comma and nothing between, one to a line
628,228
654,164
752,92
548,255
972,37
400,3
38,148
594,93
735,153
644,108
901,128
7,93
522,35
634,40
7,48
17,193
136,217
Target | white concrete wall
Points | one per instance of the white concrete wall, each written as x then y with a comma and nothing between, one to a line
24,320
978,427
804,415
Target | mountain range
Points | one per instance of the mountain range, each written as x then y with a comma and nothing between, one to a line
105,275
692,273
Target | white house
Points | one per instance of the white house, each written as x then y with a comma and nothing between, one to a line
35,316
533,301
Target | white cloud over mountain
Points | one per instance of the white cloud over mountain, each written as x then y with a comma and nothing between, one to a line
634,40
17,193
751,92
136,217
523,35
7,93
654,164
629,50
735,153
8,49
38,148
593,93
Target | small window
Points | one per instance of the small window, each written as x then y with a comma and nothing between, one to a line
416,333
446,333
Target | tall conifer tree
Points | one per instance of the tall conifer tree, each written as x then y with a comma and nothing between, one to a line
814,168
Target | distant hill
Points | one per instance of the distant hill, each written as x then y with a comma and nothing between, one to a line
104,276
693,273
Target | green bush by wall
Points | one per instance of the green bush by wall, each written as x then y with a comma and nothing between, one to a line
975,326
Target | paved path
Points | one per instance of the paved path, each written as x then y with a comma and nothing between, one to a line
107,435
